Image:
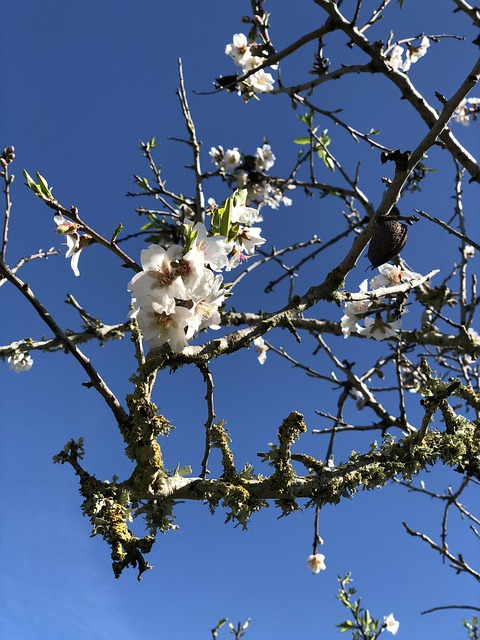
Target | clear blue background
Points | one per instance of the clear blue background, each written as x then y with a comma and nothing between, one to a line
82,84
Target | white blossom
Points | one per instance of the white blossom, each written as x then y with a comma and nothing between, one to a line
228,160
391,275
316,562
74,240
216,154
378,329
348,323
353,311
474,336
74,248
239,50
244,215
261,81
20,362
192,271
391,624
249,238
205,311
159,279
264,158
237,258
252,63
415,53
468,107
158,327
215,249
412,55
261,349
395,58
468,252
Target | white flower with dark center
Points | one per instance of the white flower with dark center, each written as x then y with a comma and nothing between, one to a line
378,329
159,280
231,160
391,275
227,160
192,271
415,53
158,327
264,158
249,238
239,50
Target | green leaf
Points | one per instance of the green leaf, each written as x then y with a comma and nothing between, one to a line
143,183
226,217
116,232
345,626
43,185
307,118
328,163
302,140
30,182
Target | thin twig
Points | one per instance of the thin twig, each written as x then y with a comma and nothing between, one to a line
448,228
450,606
95,379
8,203
194,143
208,379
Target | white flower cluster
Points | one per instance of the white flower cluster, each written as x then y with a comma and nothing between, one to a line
248,172
468,108
180,290
243,55
412,55
374,327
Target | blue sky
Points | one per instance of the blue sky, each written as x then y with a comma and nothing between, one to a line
83,83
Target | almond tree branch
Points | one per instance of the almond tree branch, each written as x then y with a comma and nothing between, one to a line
194,143
6,158
34,256
401,80
72,214
448,228
457,562
95,379
472,12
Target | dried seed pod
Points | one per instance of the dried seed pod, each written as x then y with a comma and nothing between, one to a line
387,242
